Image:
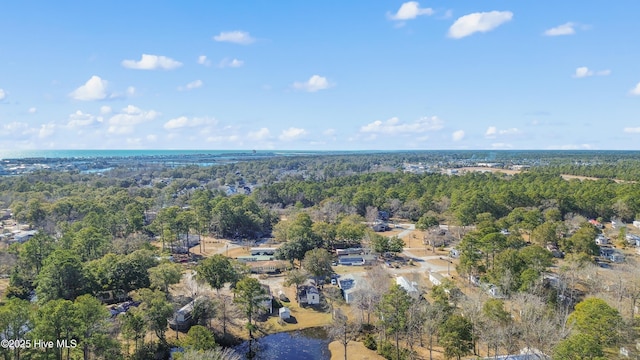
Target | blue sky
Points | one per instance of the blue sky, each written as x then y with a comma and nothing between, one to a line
334,75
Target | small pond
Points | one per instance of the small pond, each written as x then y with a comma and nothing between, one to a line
308,344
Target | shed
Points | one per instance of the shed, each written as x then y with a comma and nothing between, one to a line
284,313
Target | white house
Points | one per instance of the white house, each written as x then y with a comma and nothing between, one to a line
349,286
410,287
309,295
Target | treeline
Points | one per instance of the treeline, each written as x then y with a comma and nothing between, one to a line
462,197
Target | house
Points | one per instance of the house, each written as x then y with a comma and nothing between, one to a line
262,251
23,236
602,240
636,223
616,257
254,258
435,278
606,251
474,279
383,215
284,313
349,286
351,260
183,319
454,253
596,223
410,287
380,227
309,295
349,251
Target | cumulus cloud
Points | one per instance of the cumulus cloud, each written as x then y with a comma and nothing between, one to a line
584,71
410,10
478,22
131,91
292,133
635,90
125,121
457,135
94,89
202,60
564,29
232,63
80,119
492,132
105,110
632,130
261,134
46,130
183,122
32,110
329,132
236,37
152,62
13,128
3,94
192,85
395,126
315,83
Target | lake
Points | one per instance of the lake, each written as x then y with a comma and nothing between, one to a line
308,344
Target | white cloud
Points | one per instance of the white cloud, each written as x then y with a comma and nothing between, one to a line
292,133
478,22
492,132
315,83
564,29
202,60
584,71
105,110
152,62
183,122
233,63
79,120
131,91
94,89
237,37
3,94
572,147
32,110
457,135
125,121
410,10
46,130
261,134
13,128
501,146
394,126
152,137
635,90
448,14
632,130
192,85
329,132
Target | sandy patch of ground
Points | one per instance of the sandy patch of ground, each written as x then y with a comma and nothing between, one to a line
355,351
493,170
582,178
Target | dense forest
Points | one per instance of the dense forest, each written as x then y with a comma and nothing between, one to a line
95,233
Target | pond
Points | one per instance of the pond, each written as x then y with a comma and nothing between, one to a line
311,344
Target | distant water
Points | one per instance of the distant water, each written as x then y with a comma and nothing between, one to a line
308,344
79,154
